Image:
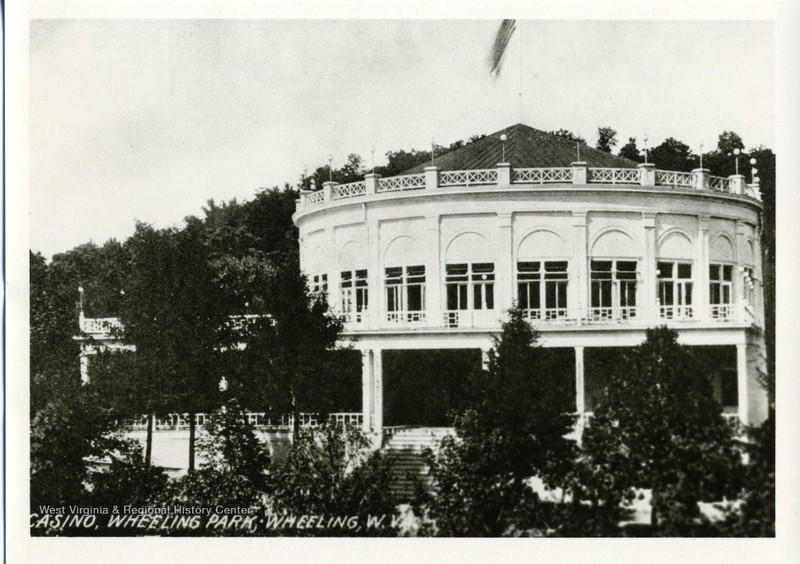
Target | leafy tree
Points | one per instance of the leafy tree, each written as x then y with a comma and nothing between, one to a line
631,151
657,426
175,313
127,479
65,432
513,430
606,139
673,155
728,141
290,362
568,135
335,471
756,515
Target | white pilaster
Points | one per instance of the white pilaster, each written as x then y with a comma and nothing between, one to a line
504,269
334,297
700,274
648,283
578,297
374,275
434,287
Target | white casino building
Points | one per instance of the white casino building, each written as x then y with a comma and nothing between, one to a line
594,250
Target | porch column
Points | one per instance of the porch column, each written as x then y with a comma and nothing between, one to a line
753,401
377,394
580,399
84,368
366,390
485,358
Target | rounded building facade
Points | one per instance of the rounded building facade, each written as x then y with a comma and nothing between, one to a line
593,251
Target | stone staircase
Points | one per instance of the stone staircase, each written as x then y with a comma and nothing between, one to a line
403,447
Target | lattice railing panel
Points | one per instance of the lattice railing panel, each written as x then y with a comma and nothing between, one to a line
719,184
673,178
541,175
349,190
468,177
315,198
408,182
614,175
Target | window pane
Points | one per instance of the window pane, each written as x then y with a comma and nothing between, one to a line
665,270
727,272
415,274
456,271
601,266
522,296
415,301
666,293
684,271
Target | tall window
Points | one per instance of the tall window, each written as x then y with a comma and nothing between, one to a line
355,296
319,284
721,290
405,293
470,286
542,289
675,289
613,289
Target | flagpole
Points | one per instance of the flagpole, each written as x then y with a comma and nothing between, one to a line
519,38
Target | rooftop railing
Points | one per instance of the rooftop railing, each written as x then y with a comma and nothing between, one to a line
578,173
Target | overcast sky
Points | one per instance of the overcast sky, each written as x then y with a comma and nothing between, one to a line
148,119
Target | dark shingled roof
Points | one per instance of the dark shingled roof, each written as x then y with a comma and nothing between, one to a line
526,147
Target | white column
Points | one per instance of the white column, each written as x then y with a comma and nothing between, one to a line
377,393
700,274
366,390
648,294
753,400
578,297
485,358
504,269
580,398
433,272
84,368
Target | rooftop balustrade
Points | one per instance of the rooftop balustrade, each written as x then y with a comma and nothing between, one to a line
578,173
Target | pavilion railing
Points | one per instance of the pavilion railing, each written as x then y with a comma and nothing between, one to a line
504,175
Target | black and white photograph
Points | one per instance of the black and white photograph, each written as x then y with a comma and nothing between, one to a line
348,275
